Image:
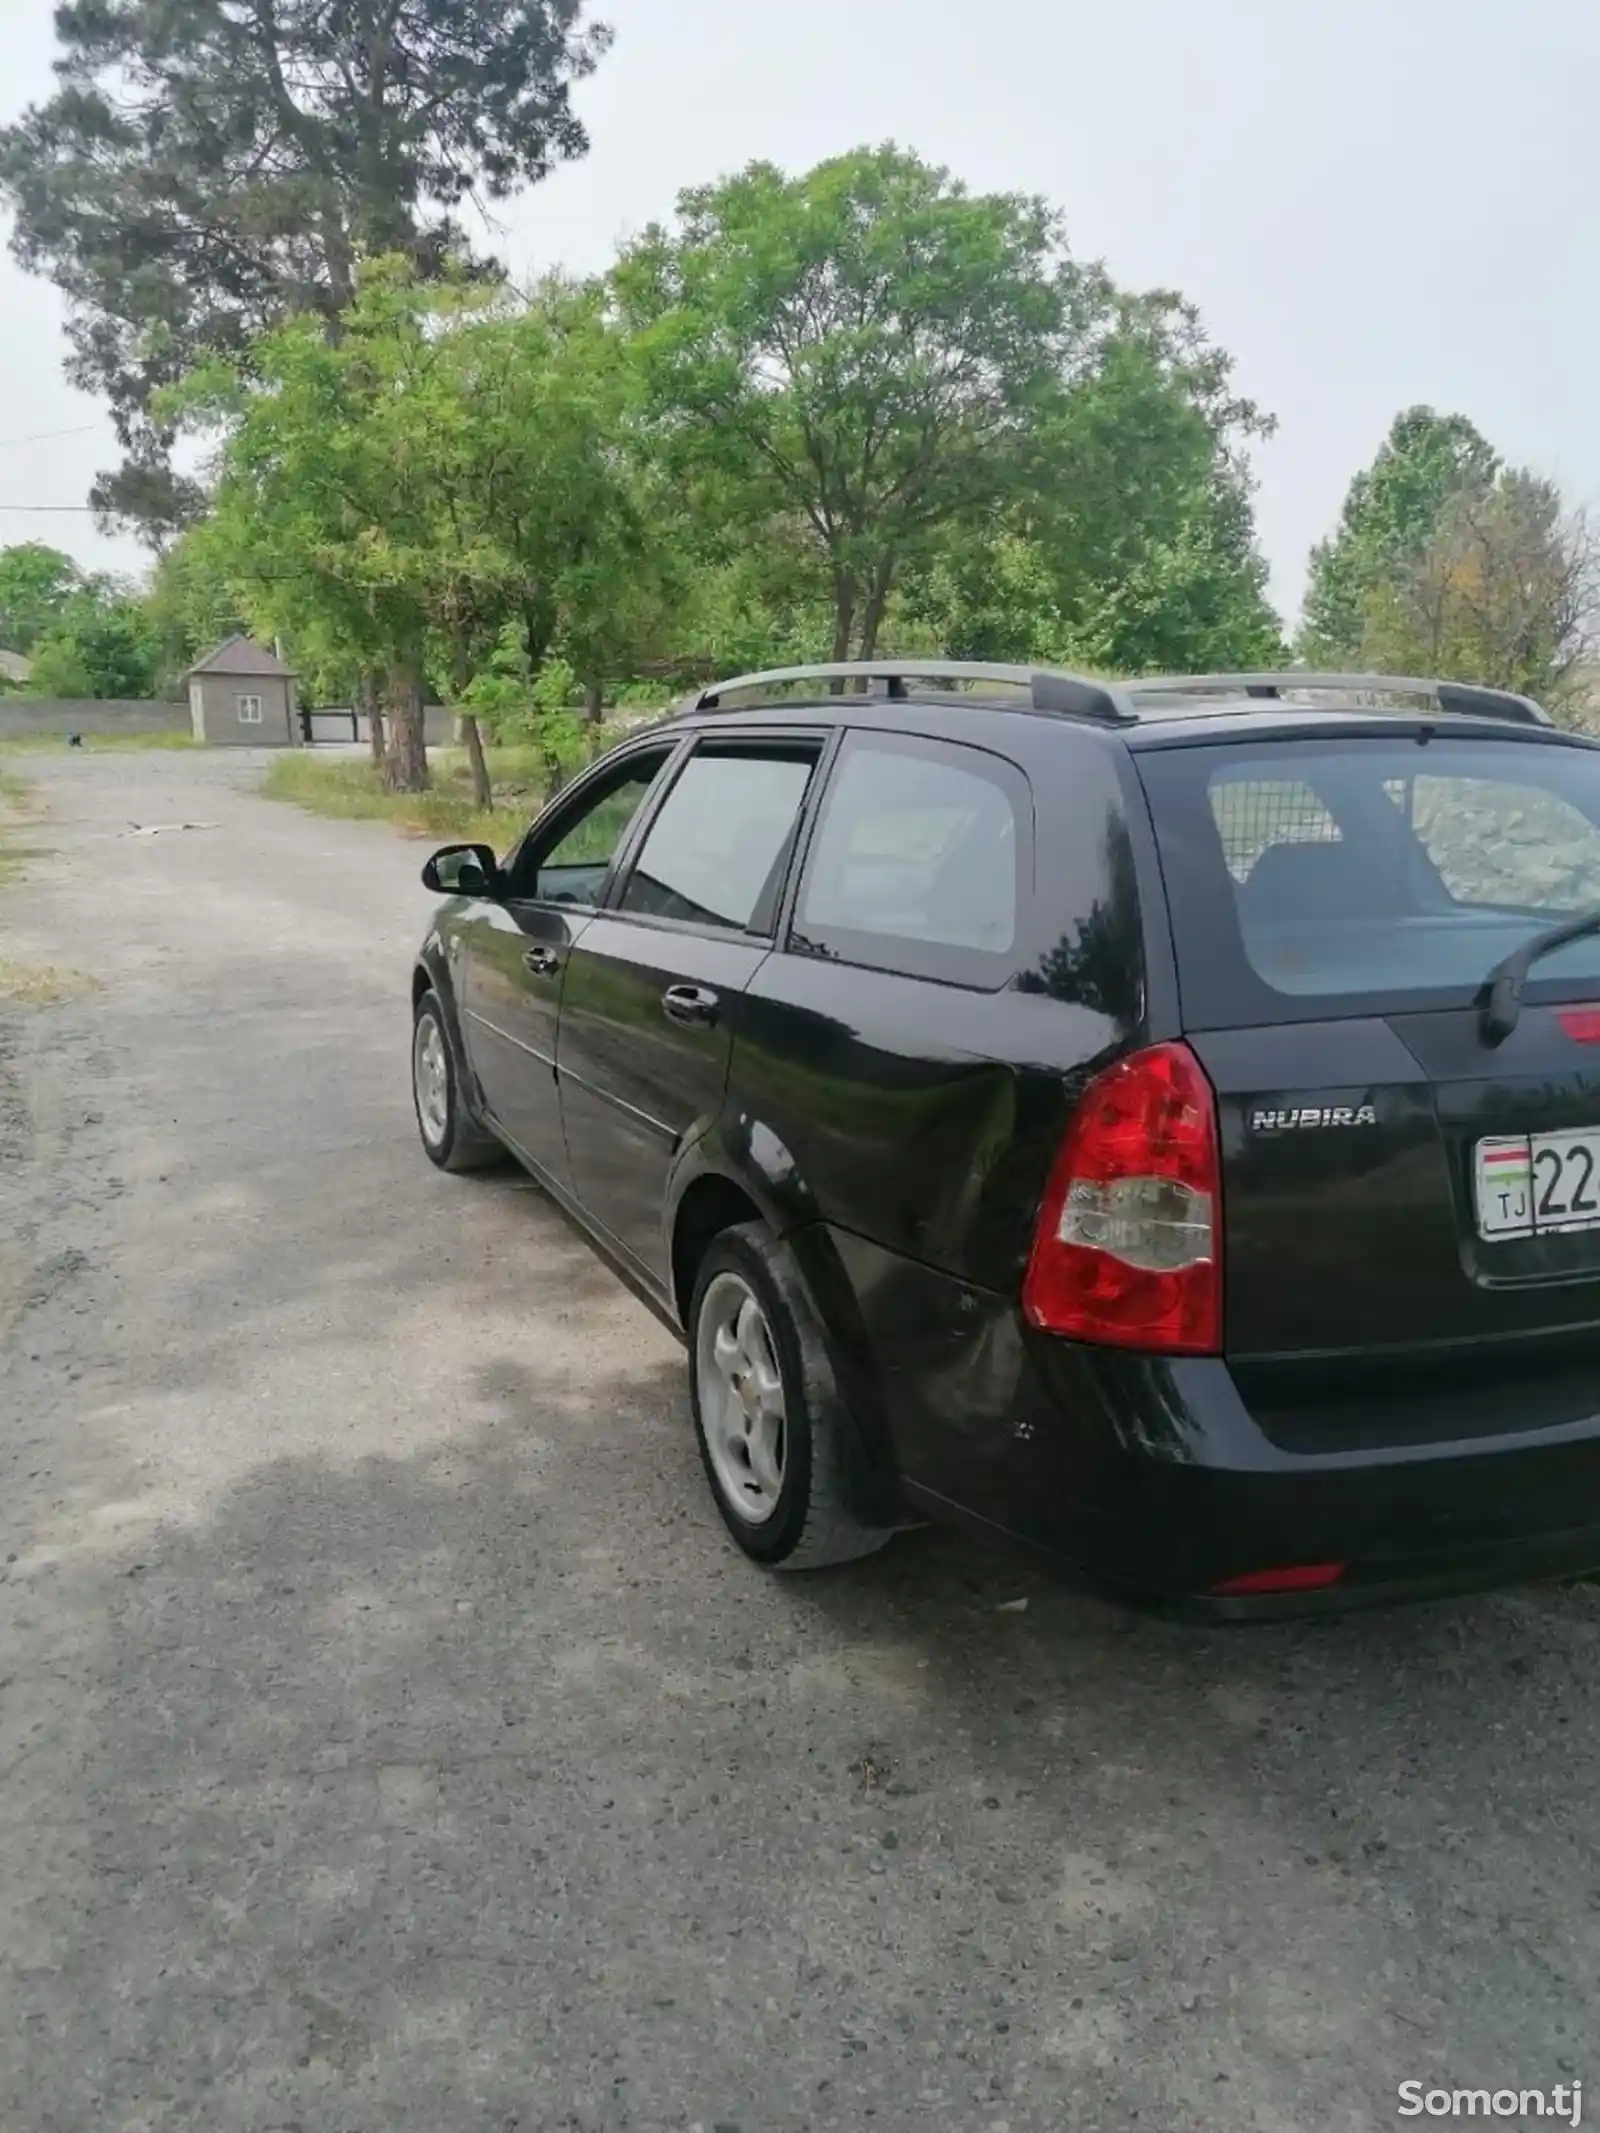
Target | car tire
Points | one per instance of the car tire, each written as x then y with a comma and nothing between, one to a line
451,1137
775,1446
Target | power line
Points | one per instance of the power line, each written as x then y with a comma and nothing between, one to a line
45,436
47,510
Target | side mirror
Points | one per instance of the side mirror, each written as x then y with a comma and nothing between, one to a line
462,870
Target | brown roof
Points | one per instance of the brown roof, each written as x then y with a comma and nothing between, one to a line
241,655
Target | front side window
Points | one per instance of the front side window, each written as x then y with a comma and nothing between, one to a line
569,862
915,865
249,710
715,853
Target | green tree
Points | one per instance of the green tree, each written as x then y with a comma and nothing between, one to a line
102,644
1132,546
1505,592
36,583
453,461
205,169
1391,513
860,354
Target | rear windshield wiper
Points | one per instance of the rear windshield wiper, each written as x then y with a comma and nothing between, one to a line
1505,982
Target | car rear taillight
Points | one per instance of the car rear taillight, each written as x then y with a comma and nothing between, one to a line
1582,1024
1127,1246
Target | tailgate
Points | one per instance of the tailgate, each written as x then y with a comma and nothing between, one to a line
1351,1212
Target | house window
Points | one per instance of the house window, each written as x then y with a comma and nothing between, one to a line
249,708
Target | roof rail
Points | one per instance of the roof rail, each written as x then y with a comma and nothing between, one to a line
1068,695
1458,699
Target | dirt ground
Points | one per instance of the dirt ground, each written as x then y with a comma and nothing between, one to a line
391,1741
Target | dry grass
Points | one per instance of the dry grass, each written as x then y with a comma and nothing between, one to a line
18,805
42,984
345,787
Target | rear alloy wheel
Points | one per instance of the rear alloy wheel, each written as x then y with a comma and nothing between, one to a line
773,1430
741,1399
452,1138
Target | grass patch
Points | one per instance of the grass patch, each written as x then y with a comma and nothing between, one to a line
14,857
99,743
354,791
42,984
18,804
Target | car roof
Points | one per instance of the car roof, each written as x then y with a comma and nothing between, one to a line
1147,711
971,717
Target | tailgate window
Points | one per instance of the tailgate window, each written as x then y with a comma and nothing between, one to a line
1364,875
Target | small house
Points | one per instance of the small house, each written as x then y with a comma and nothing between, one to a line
242,696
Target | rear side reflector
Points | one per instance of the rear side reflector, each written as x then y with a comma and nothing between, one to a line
1582,1024
1127,1246
1292,1577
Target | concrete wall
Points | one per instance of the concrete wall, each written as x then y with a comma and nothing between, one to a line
214,707
24,716
438,726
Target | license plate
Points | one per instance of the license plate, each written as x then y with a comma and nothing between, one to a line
1538,1184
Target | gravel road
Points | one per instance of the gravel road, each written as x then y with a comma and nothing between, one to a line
391,1741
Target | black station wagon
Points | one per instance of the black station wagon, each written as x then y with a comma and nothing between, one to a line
1156,1125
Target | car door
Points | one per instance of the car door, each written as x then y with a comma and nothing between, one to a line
654,984
514,952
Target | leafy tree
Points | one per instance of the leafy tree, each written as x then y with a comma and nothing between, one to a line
1132,547
860,353
204,169
451,462
1391,513
1505,592
102,644
36,583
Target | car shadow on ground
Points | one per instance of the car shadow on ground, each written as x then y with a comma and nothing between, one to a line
489,1786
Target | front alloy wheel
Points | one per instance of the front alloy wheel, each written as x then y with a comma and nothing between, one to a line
430,1076
451,1137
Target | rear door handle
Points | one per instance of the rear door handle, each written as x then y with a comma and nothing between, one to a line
695,1005
543,962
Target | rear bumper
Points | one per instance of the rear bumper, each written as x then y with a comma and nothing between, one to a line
1186,1491
1153,1476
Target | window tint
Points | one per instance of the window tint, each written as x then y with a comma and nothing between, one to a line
572,869
719,841
916,847
1365,874
1498,843
1253,814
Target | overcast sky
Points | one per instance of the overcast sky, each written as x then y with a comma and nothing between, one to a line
1374,202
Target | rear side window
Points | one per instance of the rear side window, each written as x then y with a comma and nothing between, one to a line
916,862
1363,874
715,853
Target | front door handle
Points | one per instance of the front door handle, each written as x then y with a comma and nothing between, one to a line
543,962
695,1005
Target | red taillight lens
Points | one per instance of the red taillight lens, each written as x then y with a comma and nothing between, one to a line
1582,1024
1128,1240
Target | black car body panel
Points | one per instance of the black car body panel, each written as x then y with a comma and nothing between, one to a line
1393,1393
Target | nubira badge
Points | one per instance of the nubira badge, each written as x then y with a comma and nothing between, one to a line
1324,1115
